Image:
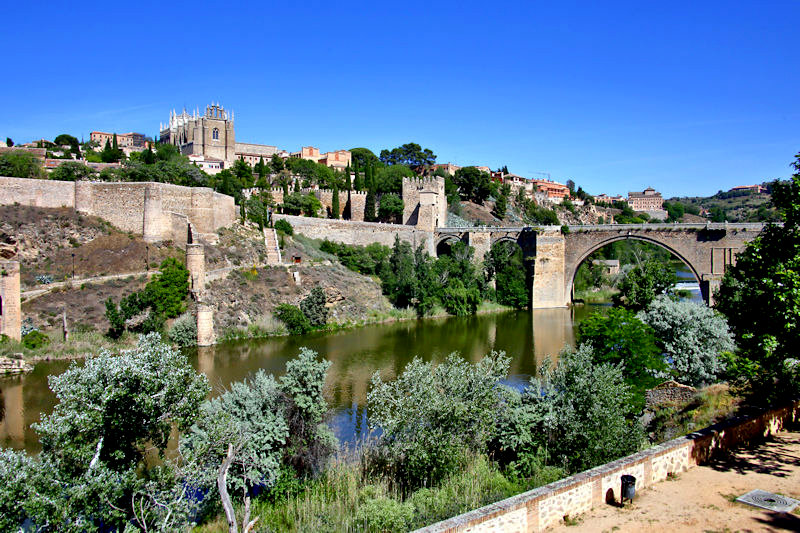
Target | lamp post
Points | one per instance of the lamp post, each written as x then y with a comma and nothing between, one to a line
147,257
73,265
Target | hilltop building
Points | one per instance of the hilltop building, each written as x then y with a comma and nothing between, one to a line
646,200
550,190
339,159
758,189
449,168
127,142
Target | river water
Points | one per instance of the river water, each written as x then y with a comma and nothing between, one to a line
526,336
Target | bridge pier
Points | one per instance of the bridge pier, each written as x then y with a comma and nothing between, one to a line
708,286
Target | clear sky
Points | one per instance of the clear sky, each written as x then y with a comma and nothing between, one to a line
687,97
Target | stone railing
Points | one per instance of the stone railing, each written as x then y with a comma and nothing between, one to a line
538,509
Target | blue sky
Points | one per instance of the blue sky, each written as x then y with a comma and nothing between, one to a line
687,97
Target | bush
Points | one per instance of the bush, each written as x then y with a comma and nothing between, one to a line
15,471
384,514
184,330
693,338
283,226
35,339
44,279
294,319
313,306
430,415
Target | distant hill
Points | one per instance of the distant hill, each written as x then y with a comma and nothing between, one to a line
733,206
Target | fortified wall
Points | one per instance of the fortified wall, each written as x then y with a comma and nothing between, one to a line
357,201
424,203
158,211
358,233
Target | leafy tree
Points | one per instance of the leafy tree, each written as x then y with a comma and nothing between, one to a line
313,306
335,202
362,157
297,203
473,184
257,207
293,318
692,337
504,264
643,283
246,429
390,209
390,179
16,470
411,155
20,164
369,208
358,183
460,300
9,142
284,227
244,173
580,412
166,292
431,414
537,214
500,206
112,410
620,337
72,171
760,295
276,163
675,211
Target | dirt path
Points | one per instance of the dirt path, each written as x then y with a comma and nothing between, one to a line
702,498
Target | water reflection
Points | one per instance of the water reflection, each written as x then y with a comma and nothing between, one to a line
527,337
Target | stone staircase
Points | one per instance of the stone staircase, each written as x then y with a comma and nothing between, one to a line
272,246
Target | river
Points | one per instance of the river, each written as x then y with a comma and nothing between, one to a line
527,337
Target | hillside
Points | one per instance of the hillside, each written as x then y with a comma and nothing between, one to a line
733,206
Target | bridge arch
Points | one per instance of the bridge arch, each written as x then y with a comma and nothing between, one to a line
573,269
444,242
506,238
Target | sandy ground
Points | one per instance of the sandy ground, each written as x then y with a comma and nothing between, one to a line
701,499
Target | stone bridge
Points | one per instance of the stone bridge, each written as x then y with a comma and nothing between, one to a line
553,256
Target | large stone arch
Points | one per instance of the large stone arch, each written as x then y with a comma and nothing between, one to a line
573,267
446,238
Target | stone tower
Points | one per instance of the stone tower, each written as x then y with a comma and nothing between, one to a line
424,203
10,305
196,265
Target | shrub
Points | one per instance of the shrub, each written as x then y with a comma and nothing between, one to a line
35,339
15,471
384,514
692,337
44,279
184,330
431,414
284,227
294,319
313,306
167,291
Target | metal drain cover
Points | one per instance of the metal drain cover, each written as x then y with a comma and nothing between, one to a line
768,500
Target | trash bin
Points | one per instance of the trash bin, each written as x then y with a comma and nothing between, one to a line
628,488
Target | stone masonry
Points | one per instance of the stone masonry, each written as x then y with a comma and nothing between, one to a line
10,304
147,209
546,506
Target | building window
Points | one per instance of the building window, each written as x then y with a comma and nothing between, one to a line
215,134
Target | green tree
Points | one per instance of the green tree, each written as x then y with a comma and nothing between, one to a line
620,337
293,318
20,164
362,157
258,208
335,202
504,263
759,296
9,142
473,184
643,283
411,155
244,173
586,409
692,337
112,411
313,306
500,206
72,171
276,163
166,292
389,179
432,413
369,209
390,208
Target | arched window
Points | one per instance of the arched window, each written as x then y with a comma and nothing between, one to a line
215,134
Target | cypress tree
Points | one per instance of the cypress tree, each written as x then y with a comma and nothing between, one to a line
347,182
357,183
335,202
369,209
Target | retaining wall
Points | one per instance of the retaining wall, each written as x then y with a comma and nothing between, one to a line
358,233
546,506
123,204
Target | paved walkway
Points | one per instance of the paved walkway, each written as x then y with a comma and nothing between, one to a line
701,499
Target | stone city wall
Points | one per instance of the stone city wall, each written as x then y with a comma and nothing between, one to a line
358,233
669,392
538,509
123,204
